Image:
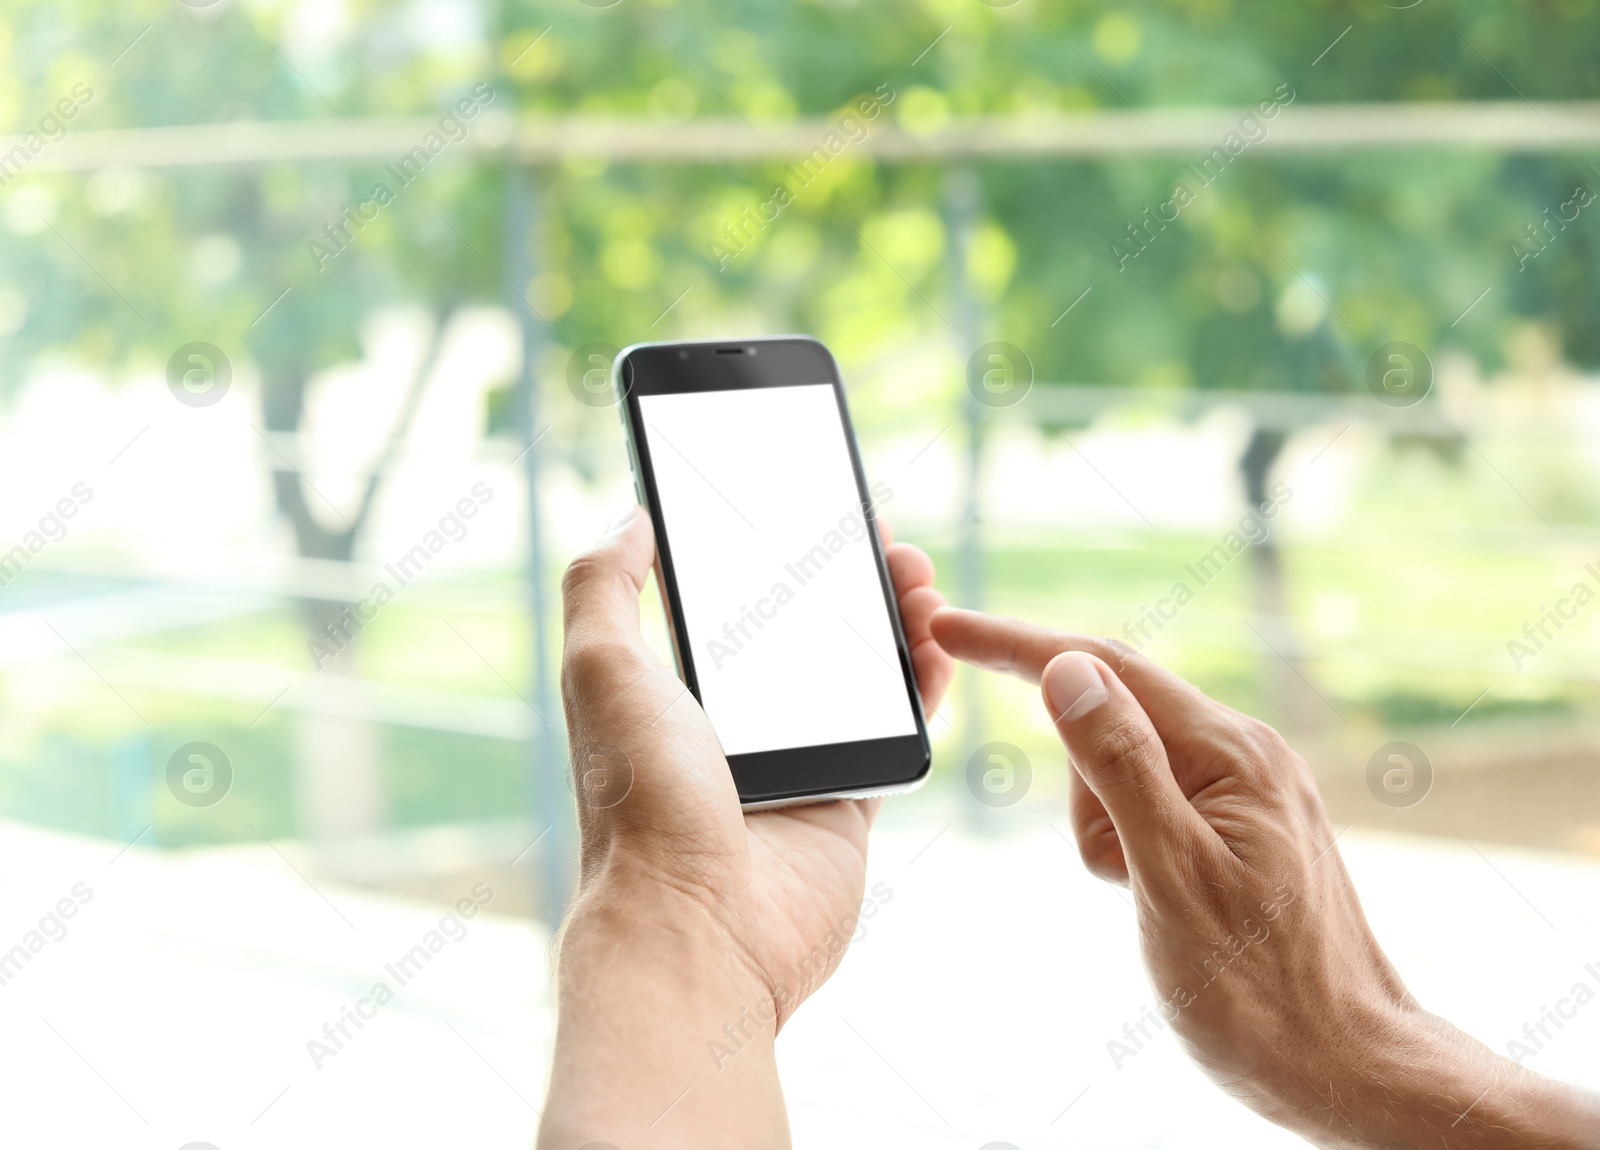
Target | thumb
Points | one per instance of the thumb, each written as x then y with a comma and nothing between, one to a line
1121,758
600,591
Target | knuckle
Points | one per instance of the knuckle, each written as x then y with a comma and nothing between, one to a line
1114,650
1125,746
1253,750
1270,745
589,667
1109,651
1277,771
581,572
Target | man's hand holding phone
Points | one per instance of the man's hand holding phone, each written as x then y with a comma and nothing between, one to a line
698,929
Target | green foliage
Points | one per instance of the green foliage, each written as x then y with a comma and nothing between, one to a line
1399,241
1285,273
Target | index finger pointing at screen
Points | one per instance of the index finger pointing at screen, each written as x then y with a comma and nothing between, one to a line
1024,650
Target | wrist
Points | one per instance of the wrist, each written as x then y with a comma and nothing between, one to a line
1405,1077
653,995
620,927
1468,1097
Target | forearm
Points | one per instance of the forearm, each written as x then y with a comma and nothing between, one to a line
663,1039
1430,1085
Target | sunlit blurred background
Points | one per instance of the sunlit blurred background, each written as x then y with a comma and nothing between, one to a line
289,286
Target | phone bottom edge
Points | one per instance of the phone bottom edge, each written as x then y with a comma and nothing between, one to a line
832,796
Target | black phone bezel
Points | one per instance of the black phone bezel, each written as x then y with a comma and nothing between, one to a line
791,774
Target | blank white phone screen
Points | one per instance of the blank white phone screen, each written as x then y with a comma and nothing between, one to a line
785,616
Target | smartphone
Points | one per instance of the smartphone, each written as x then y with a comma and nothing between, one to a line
781,612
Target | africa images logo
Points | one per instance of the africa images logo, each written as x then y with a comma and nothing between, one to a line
337,635
852,528
198,374
199,774
1252,129
739,234
51,528
452,128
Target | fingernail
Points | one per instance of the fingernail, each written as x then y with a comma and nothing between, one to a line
620,523
1073,686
